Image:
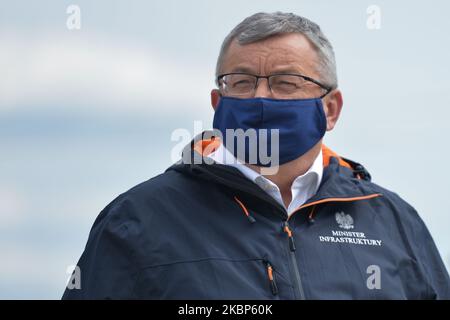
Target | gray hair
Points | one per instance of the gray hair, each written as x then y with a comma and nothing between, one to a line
260,26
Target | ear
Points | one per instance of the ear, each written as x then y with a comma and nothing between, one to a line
215,97
332,104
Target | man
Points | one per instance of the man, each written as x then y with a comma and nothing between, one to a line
226,227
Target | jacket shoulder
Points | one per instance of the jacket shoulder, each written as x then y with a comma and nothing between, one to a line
150,193
114,246
134,208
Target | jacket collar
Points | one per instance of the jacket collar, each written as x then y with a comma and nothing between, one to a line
342,180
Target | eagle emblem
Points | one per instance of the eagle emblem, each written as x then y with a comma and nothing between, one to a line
345,221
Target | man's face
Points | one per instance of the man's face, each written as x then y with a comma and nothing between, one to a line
286,53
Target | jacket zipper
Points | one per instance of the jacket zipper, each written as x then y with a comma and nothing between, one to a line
270,275
299,292
295,273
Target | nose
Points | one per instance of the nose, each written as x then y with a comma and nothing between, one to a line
262,89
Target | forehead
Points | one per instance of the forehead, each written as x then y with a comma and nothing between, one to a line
287,52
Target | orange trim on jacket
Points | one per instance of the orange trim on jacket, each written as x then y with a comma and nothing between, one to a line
207,146
349,199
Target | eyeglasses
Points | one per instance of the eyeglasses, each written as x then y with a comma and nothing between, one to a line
281,85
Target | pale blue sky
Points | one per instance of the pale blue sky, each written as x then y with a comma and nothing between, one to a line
87,114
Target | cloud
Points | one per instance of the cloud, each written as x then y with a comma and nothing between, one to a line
12,206
28,273
95,72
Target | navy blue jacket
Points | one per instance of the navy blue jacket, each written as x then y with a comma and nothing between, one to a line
202,231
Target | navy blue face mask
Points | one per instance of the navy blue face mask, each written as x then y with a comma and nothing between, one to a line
301,123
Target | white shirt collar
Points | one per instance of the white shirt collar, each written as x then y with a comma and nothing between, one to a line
303,187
